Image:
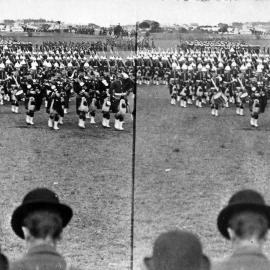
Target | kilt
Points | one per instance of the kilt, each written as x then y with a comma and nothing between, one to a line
115,101
114,104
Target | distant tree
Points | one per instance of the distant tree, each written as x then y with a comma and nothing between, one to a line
117,30
155,27
44,27
223,27
144,25
182,30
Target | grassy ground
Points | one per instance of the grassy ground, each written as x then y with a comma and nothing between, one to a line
188,164
90,170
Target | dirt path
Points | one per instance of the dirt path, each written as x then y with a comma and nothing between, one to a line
91,171
188,164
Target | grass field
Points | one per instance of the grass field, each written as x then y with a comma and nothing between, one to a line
188,164
90,170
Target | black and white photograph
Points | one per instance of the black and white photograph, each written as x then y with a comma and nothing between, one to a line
67,91
202,134
134,134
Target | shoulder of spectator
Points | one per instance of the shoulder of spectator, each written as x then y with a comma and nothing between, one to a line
16,265
218,264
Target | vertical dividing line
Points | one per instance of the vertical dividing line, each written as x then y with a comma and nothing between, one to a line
133,157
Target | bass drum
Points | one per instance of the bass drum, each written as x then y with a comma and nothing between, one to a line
220,98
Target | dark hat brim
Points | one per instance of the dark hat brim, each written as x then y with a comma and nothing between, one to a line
23,210
226,213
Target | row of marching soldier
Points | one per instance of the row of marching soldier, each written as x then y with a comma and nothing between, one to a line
219,75
53,77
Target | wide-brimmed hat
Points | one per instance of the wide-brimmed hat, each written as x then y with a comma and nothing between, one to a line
39,199
176,250
244,200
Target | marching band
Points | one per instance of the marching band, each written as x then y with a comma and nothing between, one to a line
52,75
220,74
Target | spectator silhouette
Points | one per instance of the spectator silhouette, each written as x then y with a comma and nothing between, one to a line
245,222
177,250
40,220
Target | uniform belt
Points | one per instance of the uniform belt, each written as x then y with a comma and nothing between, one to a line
120,94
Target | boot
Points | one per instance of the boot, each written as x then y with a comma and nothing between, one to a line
65,110
87,115
50,123
46,104
172,101
199,104
55,125
252,121
81,123
116,124
121,125
213,112
27,119
255,123
12,108
31,120
216,112
92,120
61,120
237,110
184,104
178,98
241,112
16,109
104,122
108,123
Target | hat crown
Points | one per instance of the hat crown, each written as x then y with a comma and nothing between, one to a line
41,195
180,248
247,197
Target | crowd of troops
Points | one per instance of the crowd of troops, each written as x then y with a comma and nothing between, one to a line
53,74
219,74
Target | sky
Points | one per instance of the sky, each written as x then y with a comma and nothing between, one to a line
107,12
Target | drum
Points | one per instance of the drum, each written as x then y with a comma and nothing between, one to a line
244,97
19,95
220,98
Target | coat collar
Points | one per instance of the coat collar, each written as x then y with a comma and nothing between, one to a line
43,248
248,250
